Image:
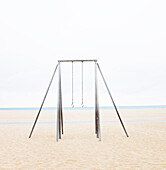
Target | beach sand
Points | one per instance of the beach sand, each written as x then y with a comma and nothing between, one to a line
79,148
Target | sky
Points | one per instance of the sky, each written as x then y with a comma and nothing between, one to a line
128,39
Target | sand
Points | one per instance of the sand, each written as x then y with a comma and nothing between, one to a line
79,148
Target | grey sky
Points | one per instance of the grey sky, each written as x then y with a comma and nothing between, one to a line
127,37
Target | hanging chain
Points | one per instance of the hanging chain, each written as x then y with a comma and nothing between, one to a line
72,104
82,104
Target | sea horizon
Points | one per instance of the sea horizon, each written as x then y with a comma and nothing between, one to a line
86,108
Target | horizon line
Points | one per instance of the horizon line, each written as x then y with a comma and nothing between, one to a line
86,108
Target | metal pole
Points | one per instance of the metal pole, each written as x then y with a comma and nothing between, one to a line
61,112
77,60
96,129
82,84
72,104
58,107
98,132
43,102
113,101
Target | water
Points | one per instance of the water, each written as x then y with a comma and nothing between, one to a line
85,108
89,108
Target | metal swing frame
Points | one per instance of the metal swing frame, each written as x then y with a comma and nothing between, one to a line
60,129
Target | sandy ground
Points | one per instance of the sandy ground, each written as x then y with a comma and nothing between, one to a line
79,148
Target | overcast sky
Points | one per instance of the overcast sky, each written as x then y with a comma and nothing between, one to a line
128,38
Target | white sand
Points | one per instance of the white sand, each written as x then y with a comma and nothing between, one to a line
79,148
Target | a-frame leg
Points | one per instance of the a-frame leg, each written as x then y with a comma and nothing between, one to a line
59,109
61,112
113,101
97,116
43,102
96,125
58,106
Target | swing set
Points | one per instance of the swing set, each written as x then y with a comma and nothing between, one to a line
60,129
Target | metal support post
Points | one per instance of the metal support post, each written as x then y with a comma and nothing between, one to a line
113,101
97,117
60,107
43,102
58,104
61,112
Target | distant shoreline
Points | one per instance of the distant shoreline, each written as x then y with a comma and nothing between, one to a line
88,108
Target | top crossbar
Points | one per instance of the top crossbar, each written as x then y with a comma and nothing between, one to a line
77,60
